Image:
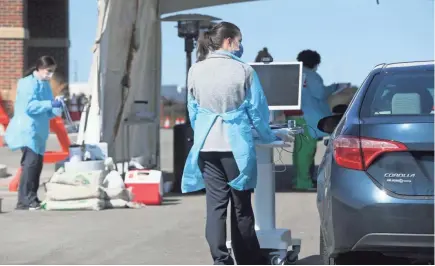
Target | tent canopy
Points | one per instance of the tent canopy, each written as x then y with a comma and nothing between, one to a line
170,6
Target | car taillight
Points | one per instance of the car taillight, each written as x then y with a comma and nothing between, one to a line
359,152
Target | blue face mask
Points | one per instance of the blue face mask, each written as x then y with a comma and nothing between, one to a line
239,52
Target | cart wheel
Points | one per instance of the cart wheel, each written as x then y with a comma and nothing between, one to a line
275,260
286,261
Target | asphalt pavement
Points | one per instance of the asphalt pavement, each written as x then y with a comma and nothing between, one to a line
169,234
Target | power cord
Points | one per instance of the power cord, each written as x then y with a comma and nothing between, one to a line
280,161
280,150
66,112
316,136
301,137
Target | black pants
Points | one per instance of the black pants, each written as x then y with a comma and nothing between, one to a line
31,167
218,168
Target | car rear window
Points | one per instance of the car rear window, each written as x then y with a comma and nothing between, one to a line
400,93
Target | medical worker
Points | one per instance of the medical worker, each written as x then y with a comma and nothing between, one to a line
225,100
29,127
314,107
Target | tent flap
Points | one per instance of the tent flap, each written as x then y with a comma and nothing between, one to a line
138,132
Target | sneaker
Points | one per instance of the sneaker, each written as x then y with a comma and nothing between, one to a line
21,208
35,206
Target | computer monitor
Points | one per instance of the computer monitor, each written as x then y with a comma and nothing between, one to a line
282,83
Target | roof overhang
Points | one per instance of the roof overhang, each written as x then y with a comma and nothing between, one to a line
171,6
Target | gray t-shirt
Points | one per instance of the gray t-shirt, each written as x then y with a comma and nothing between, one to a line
219,84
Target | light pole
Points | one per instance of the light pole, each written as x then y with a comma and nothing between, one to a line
189,27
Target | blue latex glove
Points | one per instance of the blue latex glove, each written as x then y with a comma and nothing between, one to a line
56,103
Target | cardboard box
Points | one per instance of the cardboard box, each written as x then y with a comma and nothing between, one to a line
342,97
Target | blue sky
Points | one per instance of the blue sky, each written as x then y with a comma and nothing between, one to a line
351,35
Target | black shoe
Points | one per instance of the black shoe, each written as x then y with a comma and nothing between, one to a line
21,208
34,206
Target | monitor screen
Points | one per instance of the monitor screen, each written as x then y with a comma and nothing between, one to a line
281,83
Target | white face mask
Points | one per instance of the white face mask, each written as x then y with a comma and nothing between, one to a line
49,76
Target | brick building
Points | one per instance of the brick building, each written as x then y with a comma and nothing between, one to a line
28,30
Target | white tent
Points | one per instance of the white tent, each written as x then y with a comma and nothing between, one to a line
129,41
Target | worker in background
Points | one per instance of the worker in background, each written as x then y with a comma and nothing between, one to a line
314,106
29,127
263,56
225,98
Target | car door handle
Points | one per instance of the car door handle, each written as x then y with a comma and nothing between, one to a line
326,142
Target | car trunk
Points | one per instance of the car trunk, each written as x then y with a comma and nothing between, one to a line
409,169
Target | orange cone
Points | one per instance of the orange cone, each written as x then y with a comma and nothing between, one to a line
13,185
167,123
4,121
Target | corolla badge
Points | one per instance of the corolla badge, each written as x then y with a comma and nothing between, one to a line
400,175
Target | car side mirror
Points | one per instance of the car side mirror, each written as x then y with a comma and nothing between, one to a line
329,123
339,109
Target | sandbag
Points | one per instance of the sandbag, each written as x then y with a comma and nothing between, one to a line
88,178
69,205
59,192
113,180
120,203
116,203
118,193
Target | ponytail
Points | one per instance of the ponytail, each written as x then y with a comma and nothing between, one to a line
203,48
29,71
212,39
